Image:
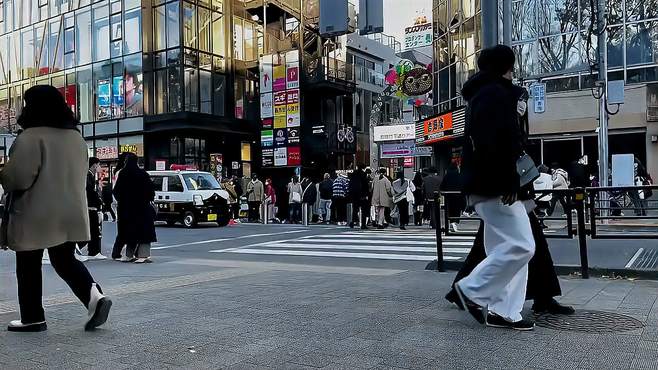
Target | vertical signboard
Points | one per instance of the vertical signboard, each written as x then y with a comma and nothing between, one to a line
418,36
539,97
280,110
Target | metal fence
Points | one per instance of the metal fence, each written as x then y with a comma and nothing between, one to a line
586,213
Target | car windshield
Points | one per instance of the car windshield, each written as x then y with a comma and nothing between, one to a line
201,181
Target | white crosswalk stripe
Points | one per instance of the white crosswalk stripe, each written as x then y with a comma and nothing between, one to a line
384,245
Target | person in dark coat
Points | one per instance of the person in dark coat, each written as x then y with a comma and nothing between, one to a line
455,203
118,243
431,184
108,199
94,207
359,190
419,199
135,192
578,176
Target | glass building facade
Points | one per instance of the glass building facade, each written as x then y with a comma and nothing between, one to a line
550,39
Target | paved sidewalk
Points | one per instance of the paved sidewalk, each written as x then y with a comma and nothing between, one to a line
252,315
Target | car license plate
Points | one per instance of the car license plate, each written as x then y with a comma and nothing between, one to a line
212,217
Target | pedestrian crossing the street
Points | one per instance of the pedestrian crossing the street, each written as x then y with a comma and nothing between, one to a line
412,245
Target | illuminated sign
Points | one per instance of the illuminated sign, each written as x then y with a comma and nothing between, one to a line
443,127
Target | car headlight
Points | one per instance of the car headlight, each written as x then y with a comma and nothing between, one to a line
198,200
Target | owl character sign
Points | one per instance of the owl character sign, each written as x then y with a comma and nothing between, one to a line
416,82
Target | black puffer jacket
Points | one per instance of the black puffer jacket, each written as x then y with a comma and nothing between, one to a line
493,136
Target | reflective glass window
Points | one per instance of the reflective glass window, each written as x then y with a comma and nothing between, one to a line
85,94
56,44
175,90
524,20
219,94
173,36
637,10
558,53
160,93
83,37
219,34
189,25
525,60
101,29
557,16
205,30
159,28
191,90
205,91
133,38
615,47
41,44
641,43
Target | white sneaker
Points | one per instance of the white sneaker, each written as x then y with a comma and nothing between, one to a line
80,257
127,259
454,227
18,326
142,260
99,308
99,256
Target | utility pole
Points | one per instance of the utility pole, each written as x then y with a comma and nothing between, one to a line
602,85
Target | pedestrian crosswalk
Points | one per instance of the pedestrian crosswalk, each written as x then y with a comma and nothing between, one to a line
410,245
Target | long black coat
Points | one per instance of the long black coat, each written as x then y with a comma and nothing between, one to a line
493,138
134,193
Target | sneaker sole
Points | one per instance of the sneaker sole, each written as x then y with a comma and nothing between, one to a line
462,299
510,327
101,314
28,328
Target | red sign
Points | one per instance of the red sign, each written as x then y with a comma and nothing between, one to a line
293,96
107,152
293,73
294,156
408,162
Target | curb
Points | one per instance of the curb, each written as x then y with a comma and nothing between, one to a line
565,270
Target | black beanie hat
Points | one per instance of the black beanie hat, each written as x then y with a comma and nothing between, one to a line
498,59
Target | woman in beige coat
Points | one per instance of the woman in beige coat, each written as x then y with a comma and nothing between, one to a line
46,176
382,196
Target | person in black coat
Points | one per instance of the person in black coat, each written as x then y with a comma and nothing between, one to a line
108,199
431,185
418,198
455,203
94,205
359,191
135,192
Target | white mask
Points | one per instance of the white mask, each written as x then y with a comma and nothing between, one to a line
521,107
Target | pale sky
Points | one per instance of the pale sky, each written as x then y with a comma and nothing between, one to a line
399,14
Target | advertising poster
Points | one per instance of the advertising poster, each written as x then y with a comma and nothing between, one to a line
293,114
294,156
266,70
293,136
417,36
268,157
280,138
266,138
266,106
279,78
292,69
117,96
280,104
280,122
104,97
267,123
281,157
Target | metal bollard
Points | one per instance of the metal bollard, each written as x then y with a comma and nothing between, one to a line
266,216
439,237
579,199
305,214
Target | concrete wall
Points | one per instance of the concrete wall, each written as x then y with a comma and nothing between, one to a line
577,112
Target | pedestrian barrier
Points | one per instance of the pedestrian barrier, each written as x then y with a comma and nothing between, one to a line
595,216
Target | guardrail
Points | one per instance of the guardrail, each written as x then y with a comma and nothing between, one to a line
592,213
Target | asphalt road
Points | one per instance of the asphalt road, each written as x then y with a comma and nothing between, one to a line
180,252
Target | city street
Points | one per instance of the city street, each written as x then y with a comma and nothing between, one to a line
292,297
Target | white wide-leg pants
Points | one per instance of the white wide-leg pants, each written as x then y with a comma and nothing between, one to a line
500,280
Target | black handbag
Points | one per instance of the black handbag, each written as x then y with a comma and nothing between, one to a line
527,170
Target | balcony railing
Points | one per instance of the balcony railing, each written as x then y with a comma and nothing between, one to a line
370,76
326,69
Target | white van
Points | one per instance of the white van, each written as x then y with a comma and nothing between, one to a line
189,197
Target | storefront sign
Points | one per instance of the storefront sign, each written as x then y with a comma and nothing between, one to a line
280,122
216,165
539,97
293,136
394,133
266,106
280,157
268,157
443,127
405,149
279,78
137,149
160,165
292,101
267,123
292,69
280,138
266,70
280,108
294,156
107,152
408,162
235,165
266,139
418,36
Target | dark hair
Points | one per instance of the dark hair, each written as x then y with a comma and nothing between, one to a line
122,161
131,161
93,161
45,107
497,60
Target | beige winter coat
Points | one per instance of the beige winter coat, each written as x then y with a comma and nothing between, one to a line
47,174
382,192
256,191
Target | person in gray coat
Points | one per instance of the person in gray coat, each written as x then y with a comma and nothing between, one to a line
49,158
255,197
382,197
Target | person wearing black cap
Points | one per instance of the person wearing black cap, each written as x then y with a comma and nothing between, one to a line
494,292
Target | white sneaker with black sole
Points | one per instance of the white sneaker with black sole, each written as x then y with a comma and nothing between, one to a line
496,321
99,308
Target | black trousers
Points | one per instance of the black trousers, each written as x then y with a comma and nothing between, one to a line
28,276
543,283
363,207
340,205
108,209
94,245
254,211
403,210
118,246
235,210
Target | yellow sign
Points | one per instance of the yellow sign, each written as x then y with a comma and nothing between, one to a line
280,111
280,122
